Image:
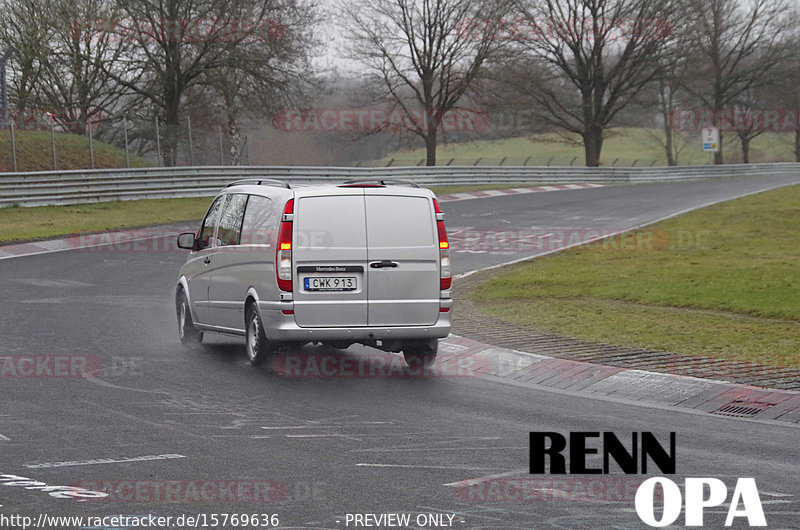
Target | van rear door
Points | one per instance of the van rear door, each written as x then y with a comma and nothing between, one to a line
403,256
330,260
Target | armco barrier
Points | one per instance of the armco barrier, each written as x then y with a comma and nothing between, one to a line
79,186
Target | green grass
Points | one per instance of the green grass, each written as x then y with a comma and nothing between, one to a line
19,224
34,152
723,281
624,144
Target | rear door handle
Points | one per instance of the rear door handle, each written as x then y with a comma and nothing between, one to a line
383,264
207,260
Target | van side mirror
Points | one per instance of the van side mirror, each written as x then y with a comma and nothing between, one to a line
187,241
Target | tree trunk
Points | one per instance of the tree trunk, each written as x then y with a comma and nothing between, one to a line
593,145
797,145
668,146
745,149
235,138
171,115
430,146
718,158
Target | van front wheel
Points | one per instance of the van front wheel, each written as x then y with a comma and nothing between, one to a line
258,347
188,334
420,352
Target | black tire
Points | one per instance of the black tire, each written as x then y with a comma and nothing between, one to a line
187,332
420,352
258,348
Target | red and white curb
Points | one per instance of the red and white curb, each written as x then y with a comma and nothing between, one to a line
450,197
719,398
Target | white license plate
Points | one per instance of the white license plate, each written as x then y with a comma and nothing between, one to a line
330,283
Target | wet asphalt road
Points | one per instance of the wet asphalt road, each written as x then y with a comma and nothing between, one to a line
239,439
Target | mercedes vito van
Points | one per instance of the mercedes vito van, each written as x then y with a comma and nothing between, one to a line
362,262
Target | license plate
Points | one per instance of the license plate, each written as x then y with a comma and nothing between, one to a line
330,283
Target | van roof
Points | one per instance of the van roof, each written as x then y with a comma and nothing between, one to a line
273,188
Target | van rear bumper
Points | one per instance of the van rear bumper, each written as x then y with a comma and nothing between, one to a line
281,327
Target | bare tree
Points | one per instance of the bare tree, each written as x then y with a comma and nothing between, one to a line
23,27
594,58
736,44
265,73
180,43
424,54
76,62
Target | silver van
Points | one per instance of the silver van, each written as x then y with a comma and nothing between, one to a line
363,262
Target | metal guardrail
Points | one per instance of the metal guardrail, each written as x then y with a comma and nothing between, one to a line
81,186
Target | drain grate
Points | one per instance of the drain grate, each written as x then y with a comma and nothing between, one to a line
742,409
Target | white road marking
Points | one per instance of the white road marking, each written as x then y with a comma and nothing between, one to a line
354,424
332,435
393,450
146,458
424,467
4,438
471,481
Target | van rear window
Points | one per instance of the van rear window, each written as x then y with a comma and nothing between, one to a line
330,222
396,221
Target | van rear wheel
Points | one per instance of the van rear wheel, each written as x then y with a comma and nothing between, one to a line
258,347
420,352
187,332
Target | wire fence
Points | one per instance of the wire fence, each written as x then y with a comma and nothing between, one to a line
42,140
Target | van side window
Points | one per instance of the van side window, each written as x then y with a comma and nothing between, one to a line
230,223
210,223
259,226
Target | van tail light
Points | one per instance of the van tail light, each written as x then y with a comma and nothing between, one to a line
445,276
283,254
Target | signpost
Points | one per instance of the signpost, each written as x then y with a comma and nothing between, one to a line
711,140
3,93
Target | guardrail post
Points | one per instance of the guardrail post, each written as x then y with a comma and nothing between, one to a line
13,145
158,142
574,158
478,160
525,162
614,163
191,147
450,161
550,160
634,163
53,138
221,155
125,127
390,162
503,160
91,147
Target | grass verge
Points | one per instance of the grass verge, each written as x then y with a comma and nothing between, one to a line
722,281
19,224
